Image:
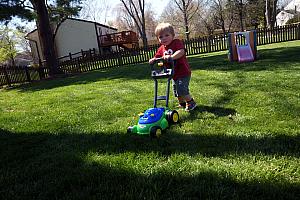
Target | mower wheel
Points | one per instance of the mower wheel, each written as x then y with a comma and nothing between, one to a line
172,117
129,129
155,132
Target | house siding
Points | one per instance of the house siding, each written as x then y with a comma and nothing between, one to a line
288,12
283,17
74,35
71,36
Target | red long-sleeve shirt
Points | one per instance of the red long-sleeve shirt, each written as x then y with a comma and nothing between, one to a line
181,68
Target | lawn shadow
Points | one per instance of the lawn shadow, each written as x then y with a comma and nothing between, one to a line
138,72
45,166
210,145
217,111
202,109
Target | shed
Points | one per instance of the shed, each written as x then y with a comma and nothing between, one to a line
71,36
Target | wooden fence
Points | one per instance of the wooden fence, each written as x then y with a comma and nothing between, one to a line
264,36
193,46
21,74
119,58
82,53
92,61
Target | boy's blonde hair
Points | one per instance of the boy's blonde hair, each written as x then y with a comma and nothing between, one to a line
164,27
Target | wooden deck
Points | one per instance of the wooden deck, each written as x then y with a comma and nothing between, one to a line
124,39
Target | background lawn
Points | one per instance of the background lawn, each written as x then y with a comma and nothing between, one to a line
66,138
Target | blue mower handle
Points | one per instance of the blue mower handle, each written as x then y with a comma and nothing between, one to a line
164,71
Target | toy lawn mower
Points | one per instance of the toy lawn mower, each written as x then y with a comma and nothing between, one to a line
155,120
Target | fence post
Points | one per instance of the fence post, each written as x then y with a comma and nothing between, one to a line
41,72
208,43
77,63
6,76
298,27
120,62
186,44
90,53
27,74
70,56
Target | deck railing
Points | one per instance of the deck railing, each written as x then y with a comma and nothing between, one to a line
124,37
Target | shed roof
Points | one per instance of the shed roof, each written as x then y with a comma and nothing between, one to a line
81,20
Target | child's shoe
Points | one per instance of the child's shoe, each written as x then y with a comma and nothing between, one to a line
191,105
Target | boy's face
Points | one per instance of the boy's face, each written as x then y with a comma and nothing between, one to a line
165,38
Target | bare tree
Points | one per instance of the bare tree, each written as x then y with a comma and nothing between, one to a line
172,15
240,5
204,23
222,14
188,8
184,18
95,10
124,21
274,13
268,13
271,11
151,23
136,10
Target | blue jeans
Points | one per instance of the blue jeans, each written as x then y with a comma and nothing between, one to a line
181,86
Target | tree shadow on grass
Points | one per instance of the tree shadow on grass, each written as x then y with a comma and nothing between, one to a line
124,73
218,111
216,145
215,110
45,166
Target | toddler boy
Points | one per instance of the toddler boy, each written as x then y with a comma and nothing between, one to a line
174,48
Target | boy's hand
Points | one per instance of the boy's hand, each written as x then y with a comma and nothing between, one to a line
167,57
178,54
151,61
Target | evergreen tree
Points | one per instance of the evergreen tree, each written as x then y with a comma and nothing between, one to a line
61,9
38,9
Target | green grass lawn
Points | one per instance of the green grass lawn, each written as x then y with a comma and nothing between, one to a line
66,138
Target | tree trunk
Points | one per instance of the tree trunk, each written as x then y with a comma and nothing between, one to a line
46,36
13,63
241,14
271,11
186,24
143,24
223,26
268,14
274,13
145,40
